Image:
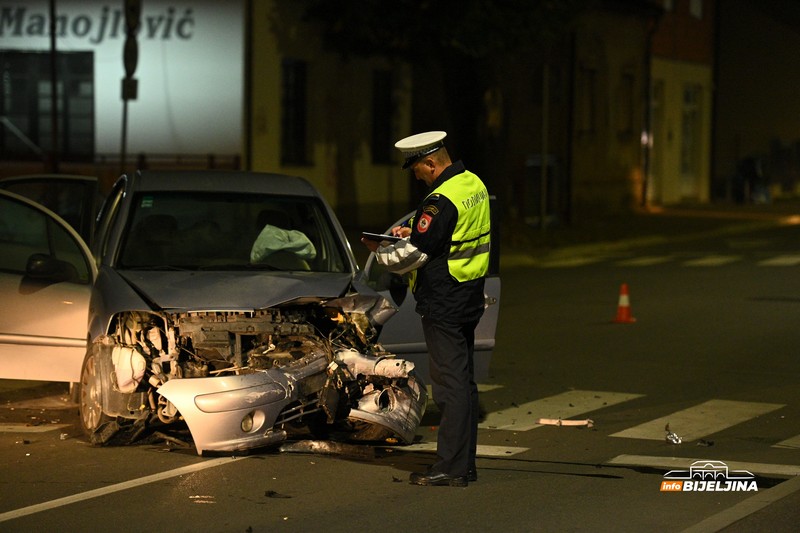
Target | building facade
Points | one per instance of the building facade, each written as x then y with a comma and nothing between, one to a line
618,112
757,106
329,119
681,104
240,84
187,60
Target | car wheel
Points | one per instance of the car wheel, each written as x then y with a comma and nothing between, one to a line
91,395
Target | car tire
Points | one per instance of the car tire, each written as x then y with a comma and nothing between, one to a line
91,394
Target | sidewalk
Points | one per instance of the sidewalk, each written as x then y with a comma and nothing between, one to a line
521,243
643,227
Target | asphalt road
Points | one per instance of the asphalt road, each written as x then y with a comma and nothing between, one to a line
712,353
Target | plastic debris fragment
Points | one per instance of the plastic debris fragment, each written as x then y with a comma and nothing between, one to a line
560,422
329,448
672,437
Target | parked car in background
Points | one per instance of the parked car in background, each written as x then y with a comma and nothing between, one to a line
230,302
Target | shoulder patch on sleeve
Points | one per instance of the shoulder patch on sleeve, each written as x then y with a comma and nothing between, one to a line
423,223
431,210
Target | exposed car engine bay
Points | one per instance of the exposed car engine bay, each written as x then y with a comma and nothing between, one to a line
246,379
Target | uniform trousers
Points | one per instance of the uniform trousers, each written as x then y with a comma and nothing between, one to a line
452,370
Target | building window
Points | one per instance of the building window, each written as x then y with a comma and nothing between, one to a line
293,113
382,117
586,115
690,129
696,8
26,105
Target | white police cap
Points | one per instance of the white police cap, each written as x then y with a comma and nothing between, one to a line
419,145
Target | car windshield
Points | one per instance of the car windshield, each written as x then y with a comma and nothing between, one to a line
229,231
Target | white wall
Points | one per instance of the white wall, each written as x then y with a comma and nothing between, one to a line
190,68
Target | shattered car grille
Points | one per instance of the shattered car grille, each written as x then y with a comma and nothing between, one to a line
243,380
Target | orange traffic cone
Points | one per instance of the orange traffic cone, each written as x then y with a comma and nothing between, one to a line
624,307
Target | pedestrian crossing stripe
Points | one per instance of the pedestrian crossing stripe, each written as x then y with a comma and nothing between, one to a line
700,420
566,405
712,260
570,262
792,444
647,260
781,260
681,463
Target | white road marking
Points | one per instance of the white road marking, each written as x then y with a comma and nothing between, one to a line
96,493
646,260
683,463
725,518
712,260
569,262
733,514
482,451
700,420
26,428
792,443
565,405
781,260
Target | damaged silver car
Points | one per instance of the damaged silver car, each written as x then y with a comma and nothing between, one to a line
228,302
226,309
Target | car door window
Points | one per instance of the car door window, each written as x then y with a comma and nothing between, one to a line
108,213
26,231
72,198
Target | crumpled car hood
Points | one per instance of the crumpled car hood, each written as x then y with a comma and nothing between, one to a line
204,291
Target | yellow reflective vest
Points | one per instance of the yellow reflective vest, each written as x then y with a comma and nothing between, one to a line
468,257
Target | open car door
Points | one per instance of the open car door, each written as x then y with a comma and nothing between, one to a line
46,276
402,334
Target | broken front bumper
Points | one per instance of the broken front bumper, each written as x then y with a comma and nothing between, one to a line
230,413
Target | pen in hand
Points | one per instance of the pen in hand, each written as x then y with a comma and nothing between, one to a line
401,231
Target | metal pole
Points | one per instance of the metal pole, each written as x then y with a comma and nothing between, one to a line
130,57
545,128
124,136
54,149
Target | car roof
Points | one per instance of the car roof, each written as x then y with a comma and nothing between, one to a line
34,177
222,181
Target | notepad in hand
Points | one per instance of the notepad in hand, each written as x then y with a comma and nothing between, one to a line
379,237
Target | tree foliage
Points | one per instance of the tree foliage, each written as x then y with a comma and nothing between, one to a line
455,47
418,29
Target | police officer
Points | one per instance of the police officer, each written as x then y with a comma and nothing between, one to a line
445,250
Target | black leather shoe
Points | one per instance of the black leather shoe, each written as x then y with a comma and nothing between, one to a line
437,478
472,474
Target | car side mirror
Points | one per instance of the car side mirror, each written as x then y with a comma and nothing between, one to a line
44,267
